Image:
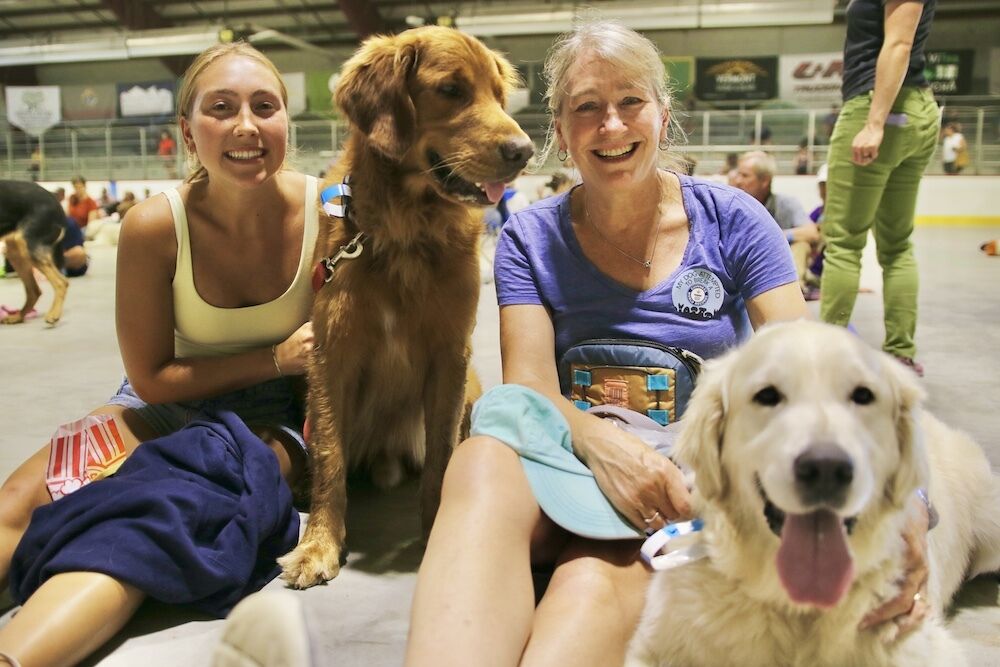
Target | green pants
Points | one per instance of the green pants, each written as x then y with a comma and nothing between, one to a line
883,197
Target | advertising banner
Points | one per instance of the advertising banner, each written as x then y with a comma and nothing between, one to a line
90,102
319,92
154,98
811,79
34,109
736,79
950,72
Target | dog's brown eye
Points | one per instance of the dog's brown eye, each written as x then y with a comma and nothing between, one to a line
768,396
862,396
450,90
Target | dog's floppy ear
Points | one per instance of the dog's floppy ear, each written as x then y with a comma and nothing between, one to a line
373,93
907,397
508,75
700,443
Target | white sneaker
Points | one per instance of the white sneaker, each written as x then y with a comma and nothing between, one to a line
266,629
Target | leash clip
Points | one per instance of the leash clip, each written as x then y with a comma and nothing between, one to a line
351,250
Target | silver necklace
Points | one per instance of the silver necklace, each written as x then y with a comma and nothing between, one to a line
646,263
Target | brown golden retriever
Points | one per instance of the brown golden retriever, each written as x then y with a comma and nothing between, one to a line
429,140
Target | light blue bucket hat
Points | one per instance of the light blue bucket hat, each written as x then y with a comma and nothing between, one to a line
564,487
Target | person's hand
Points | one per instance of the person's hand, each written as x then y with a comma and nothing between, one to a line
293,353
865,146
910,607
644,486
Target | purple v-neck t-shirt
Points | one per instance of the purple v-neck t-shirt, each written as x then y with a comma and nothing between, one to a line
735,252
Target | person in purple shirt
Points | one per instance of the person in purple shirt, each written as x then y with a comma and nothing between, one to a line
634,251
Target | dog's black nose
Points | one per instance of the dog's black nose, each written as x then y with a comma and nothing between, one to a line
517,151
823,474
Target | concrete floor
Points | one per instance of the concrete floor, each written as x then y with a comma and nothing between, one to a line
51,376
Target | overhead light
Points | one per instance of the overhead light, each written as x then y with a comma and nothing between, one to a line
536,23
732,14
109,48
154,44
679,15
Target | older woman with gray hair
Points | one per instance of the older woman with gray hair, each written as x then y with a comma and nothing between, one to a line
636,252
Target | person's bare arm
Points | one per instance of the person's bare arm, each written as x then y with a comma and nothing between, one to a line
901,20
780,304
144,310
808,233
632,475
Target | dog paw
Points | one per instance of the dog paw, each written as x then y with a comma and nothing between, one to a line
15,318
310,564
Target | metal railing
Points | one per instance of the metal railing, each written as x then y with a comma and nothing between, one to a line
113,151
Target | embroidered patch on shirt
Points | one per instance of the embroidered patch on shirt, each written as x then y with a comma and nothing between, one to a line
698,294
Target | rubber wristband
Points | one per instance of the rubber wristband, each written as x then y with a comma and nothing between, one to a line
274,358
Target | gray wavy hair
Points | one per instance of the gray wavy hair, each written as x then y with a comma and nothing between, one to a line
629,52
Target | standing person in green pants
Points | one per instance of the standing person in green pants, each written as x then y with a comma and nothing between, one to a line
883,139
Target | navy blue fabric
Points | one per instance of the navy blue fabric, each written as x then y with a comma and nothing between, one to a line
197,517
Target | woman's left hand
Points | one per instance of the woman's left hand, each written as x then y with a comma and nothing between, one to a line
910,607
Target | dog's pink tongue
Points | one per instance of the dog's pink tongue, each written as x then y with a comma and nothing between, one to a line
813,561
494,191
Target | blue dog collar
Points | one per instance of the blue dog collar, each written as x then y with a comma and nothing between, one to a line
655,543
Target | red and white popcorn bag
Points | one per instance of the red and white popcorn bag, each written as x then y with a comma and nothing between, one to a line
82,451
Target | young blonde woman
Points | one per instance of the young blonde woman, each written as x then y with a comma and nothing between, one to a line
212,305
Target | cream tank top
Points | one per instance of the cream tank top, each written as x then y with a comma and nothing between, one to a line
204,330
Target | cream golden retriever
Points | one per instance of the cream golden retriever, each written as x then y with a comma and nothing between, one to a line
808,448
430,142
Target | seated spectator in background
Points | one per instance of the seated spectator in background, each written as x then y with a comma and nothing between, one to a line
560,182
954,149
127,202
167,149
510,202
106,201
817,213
75,260
729,168
802,158
829,121
35,163
82,208
60,195
754,176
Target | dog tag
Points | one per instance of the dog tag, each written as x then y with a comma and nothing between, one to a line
320,275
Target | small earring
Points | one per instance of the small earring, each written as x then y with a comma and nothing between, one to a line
562,154
664,144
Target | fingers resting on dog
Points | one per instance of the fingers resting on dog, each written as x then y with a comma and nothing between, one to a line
910,607
292,354
643,485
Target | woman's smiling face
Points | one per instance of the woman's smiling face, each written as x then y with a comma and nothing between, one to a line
237,124
610,125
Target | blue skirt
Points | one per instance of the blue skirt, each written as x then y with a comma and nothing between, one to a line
196,517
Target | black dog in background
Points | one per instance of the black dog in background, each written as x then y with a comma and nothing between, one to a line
31,225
